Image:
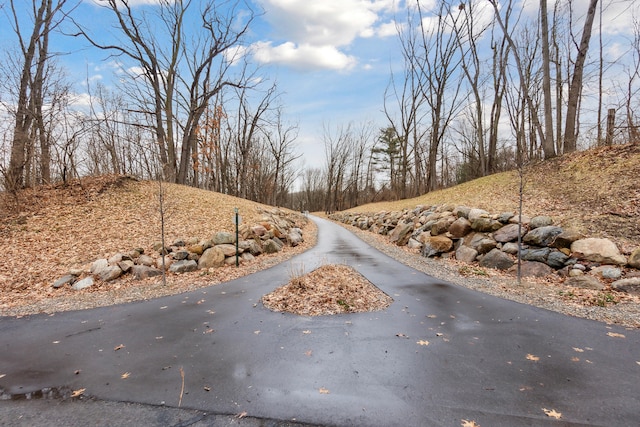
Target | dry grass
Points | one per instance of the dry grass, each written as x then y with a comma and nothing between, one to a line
329,289
595,192
49,230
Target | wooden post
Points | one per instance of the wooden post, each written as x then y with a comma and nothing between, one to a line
611,121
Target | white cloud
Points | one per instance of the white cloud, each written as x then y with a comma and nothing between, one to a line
303,57
311,33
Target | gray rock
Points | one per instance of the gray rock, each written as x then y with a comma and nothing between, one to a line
585,282
255,248
223,237
542,236
510,248
630,285
460,227
278,242
140,272
565,239
99,265
606,272
270,246
496,259
116,258
110,273
146,260
540,221
179,243
461,211
259,230
505,217
183,266
538,255
484,224
82,284
508,233
485,245
294,237
466,254
477,213
532,269
593,249
634,259
401,234
442,225
211,258
557,259
69,279
126,265
247,257
414,244
167,261
180,254
574,272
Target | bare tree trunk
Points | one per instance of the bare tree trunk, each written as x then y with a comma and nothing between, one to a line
575,88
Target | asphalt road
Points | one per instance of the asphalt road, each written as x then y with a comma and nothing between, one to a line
440,355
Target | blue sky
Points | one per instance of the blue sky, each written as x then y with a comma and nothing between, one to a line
331,58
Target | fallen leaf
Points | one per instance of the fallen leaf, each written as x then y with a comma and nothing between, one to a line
159,338
307,332
208,331
308,353
241,415
439,334
422,342
323,390
78,392
4,375
532,357
118,347
56,342
125,375
432,316
579,350
615,335
467,423
402,335
201,301
636,362
256,332
575,359
552,413
207,388
163,307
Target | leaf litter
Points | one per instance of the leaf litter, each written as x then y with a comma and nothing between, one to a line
329,289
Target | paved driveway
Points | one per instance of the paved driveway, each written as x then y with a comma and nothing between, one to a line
439,355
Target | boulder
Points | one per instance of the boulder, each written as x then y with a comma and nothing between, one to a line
294,237
211,258
484,224
270,246
223,237
125,265
510,248
110,273
538,255
146,260
167,261
505,217
247,257
477,213
401,234
634,259
227,249
259,230
540,221
508,233
585,282
532,269
442,225
255,248
140,272
435,245
183,266
180,254
99,265
460,227
496,259
197,249
82,284
542,236
557,259
606,272
461,211
466,254
630,285
565,239
69,279
603,251
414,244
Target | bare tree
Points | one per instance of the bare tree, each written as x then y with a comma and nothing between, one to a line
575,88
177,79
35,56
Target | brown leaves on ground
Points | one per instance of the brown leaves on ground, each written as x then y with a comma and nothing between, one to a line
46,231
330,289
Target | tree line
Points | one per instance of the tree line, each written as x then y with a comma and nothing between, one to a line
484,87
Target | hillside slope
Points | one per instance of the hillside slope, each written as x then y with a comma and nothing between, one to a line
596,192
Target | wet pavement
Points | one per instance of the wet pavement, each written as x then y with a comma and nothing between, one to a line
440,355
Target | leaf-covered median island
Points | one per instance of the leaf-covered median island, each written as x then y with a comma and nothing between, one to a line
329,289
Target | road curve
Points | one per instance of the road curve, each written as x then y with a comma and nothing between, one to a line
439,355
